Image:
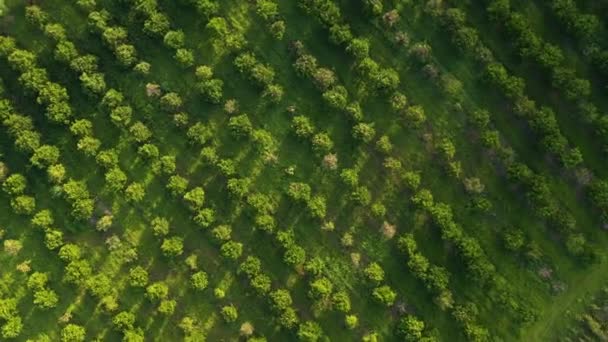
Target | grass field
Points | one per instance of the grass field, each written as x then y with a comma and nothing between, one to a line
315,170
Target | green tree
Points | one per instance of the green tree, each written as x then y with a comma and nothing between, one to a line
299,191
195,198
205,217
107,158
138,277
374,273
415,116
310,331
184,57
36,281
199,280
302,126
82,128
45,299
171,102
23,205
281,300
341,301
121,115
177,185
384,295
410,328
89,145
69,252
322,143
288,318
261,283
229,313
76,272
45,156
172,247
222,232
167,307
140,132
199,133
232,250
73,333
43,219
15,184
175,39
157,23
320,288
116,179
251,266
351,321
157,291
56,173
240,126
160,226
135,192
126,54
12,328
124,320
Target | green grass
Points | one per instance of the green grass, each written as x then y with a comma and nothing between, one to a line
509,206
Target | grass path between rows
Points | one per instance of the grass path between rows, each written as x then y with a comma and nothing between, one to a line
564,307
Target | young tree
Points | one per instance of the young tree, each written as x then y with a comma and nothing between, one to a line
138,277
104,223
43,219
15,184
384,295
205,217
73,333
36,281
121,115
341,301
45,156
89,145
175,39
232,250
322,143
302,126
116,179
160,226
281,300
229,313
185,57
135,192
167,307
199,281
410,328
76,272
157,291
240,126
140,132
69,252
195,198
124,320
310,331
45,299
23,205
320,288
351,321
177,185
126,54
374,273
222,232
12,328
171,102
172,247
56,174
